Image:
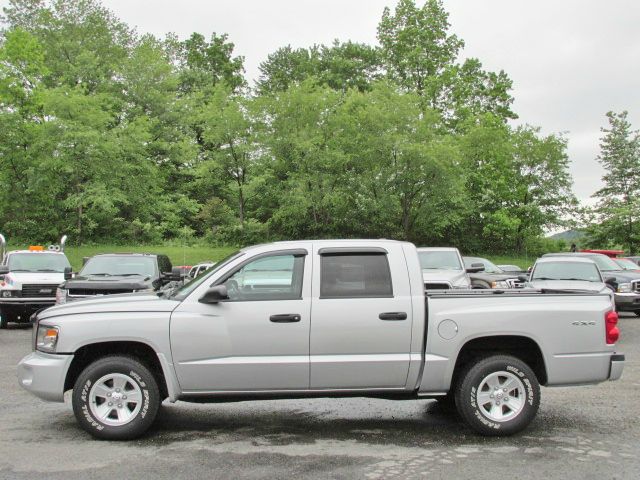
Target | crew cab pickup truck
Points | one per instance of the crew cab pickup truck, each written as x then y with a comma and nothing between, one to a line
324,318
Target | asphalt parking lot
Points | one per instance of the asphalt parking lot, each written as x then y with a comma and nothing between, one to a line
583,433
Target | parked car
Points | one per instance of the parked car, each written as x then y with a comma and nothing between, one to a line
199,269
28,279
569,273
627,264
491,276
114,273
626,283
442,268
324,318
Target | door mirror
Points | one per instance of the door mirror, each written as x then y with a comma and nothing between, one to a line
611,281
523,278
68,275
475,268
4,269
214,295
85,260
175,275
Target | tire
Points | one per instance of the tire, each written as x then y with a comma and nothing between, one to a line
485,408
99,392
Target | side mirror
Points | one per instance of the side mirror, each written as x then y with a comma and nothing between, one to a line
4,269
85,260
475,268
523,278
214,295
175,275
68,275
611,281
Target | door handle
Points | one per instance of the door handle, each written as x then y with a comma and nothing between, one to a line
393,316
285,318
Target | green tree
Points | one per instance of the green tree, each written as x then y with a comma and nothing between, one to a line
617,214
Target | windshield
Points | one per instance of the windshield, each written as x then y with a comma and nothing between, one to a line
605,263
440,260
489,267
182,292
587,272
38,262
626,264
112,265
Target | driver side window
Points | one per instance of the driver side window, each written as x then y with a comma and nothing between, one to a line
276,277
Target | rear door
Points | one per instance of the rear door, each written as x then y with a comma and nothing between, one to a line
361,318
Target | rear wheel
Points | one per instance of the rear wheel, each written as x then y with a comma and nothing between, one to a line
498,395
116,398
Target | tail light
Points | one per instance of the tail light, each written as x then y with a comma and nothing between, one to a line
612,332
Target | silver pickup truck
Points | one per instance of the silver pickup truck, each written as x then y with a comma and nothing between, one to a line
322,318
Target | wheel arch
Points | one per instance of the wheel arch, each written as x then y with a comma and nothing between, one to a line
519,346
88,353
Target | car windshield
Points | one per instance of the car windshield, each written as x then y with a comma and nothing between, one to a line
38,262
626,264
489,267
605,263
182,292
584,271
439,260
112,265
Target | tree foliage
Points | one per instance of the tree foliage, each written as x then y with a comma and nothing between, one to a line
110,135
616,217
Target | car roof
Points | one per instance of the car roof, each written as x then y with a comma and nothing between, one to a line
565,259
35,251
574,254
437,249
125,254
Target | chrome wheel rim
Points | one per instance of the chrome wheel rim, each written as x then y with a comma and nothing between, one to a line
115,399
501,396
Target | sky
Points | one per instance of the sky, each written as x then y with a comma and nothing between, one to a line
571,61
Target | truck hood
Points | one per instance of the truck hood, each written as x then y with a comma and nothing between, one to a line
35,277
621,276
115,282
570,285
457,278
128,302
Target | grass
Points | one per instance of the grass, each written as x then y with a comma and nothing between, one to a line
178,255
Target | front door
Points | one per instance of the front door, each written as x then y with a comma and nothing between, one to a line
258,339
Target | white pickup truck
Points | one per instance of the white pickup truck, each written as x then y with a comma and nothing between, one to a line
29,279
319,319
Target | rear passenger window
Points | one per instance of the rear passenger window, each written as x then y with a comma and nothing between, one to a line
355,275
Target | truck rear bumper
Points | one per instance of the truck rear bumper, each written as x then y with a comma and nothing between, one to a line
44,374
617,365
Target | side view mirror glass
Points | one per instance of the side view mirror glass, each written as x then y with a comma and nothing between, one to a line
523,278
4,269
475,268
611,281
68,273
214,295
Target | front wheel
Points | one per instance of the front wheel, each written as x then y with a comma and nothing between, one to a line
116,398
498,395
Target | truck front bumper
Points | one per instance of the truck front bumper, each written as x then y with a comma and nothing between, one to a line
43,374
617,365
627,302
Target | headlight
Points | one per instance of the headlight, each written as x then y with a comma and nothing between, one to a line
9,293
624,287
499,284
61,296
46,338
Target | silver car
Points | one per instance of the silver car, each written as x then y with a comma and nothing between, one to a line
568,273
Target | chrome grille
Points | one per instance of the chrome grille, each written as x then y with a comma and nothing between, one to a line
39,290
635,286
515,283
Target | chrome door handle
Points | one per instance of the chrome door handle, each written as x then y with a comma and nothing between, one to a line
393,316
285,318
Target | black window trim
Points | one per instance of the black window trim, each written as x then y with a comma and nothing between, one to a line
340,251
295,252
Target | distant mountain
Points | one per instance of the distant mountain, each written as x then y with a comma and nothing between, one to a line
569,235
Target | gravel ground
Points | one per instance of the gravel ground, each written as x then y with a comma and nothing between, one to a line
580,433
